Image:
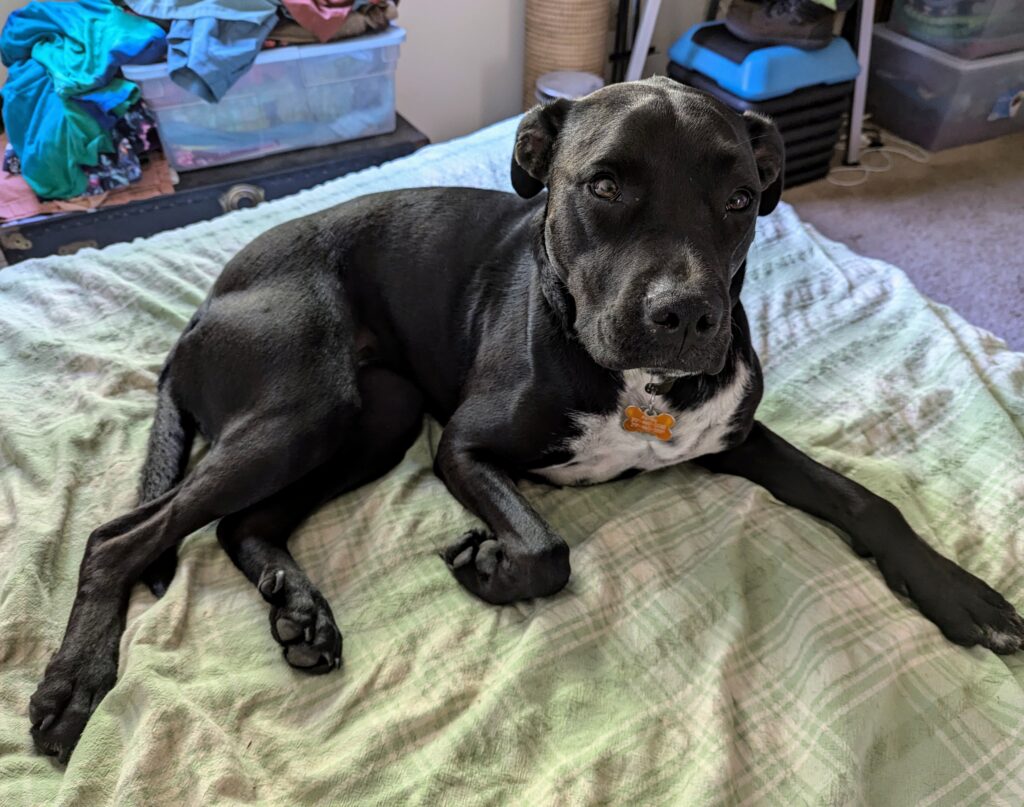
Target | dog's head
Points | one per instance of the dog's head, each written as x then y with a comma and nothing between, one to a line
653,192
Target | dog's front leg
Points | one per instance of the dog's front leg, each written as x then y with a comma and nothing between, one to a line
965,609
521,556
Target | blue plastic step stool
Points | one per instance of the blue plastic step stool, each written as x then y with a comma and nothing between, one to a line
805,92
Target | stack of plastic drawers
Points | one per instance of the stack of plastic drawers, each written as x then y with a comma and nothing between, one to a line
806,93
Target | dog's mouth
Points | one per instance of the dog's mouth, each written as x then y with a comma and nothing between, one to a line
622,344
683,367
668,370
663,375
710,360
712,366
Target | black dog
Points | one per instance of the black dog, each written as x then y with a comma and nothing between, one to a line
592,333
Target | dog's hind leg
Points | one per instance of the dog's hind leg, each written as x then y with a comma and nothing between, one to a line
257,454
256,538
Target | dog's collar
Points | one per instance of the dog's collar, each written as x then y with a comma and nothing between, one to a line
560,273
552,280
736,284
659,388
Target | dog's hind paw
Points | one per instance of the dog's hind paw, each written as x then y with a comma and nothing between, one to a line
301,621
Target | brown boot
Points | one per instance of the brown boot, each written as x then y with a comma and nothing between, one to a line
801,23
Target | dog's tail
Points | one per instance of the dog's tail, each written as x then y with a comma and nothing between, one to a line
170,443
167,455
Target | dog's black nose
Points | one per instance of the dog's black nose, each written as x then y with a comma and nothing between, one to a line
689,317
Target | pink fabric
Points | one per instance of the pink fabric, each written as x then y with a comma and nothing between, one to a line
323,18
19,201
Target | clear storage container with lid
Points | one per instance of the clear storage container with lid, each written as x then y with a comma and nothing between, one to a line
291,98
938,101
970,29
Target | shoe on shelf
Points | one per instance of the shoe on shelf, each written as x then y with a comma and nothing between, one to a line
801,23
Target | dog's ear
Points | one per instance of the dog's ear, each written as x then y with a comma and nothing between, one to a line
535,146
770,154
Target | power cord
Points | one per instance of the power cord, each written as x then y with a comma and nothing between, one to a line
872,144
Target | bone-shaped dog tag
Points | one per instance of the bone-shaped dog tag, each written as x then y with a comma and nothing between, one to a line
651,422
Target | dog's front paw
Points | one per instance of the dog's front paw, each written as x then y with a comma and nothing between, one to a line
71,689
967,610
501,571
301,621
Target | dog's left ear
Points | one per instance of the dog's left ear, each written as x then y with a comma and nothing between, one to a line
770,154
535,146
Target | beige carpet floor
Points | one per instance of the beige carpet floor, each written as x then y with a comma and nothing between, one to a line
954,225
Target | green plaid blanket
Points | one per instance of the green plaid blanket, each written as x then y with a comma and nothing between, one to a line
713,647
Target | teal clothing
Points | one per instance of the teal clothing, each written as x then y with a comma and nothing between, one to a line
54,52
81,44
109,103
53,136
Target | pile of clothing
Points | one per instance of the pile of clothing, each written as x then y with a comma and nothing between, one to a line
72,123
77,129
212,43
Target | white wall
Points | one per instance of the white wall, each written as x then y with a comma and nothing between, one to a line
462,65
675,17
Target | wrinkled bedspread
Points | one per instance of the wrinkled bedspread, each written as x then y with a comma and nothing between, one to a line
713,647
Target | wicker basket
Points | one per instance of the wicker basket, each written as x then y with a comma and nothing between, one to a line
564,35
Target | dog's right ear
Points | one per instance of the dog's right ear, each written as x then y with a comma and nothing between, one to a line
535,146
770,154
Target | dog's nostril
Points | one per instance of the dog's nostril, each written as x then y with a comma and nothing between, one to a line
705,323
666,319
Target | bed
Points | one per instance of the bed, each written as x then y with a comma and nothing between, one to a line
713,646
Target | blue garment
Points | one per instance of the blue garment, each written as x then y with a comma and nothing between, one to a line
108,104
81,44
212,43
207,56
55,51
244,10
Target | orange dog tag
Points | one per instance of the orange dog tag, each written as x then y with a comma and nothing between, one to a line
656,424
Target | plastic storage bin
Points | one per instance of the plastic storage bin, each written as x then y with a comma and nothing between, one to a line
939,101
292,98
969,29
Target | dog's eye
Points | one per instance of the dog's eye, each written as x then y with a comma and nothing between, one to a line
604,187
740,200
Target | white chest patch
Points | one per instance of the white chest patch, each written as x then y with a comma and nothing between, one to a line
603,449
